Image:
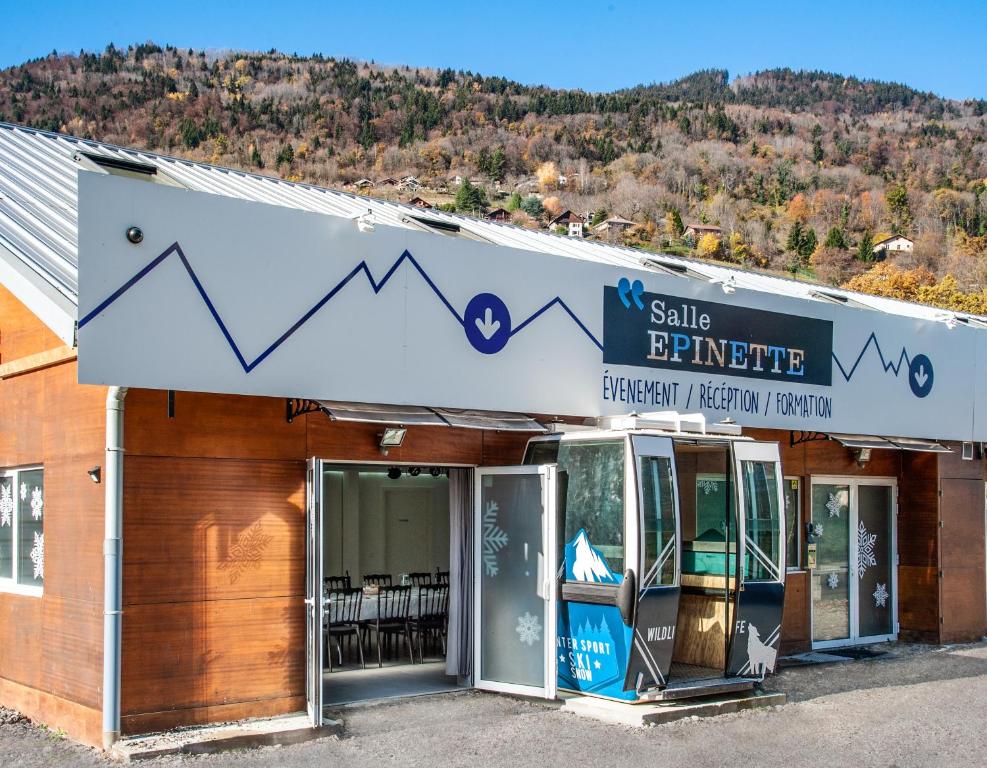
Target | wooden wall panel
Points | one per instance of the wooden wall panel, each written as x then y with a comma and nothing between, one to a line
504,449
918,604
220,426
964,602
21,333
350,441
796,629
46,418
209,529
918,511
198,654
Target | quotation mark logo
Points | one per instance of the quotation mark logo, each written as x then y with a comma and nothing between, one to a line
625,287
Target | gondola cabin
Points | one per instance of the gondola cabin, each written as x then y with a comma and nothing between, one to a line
665,591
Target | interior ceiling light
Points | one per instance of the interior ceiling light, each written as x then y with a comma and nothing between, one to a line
415,471
435,471
394,473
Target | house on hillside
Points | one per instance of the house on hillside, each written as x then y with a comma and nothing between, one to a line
892,244
419,202
611,229
696,230
390,181
499,214
363,183
573,222
409,184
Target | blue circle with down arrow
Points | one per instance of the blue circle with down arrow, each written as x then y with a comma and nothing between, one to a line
920,375
487,323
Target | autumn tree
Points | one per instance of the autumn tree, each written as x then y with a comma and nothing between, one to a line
833,265
548,176
673,223
709,246
896,197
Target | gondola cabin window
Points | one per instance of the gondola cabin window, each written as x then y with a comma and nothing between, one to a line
22,537
761,513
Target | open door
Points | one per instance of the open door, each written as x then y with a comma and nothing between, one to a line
658,558
761,562
313,592
514,600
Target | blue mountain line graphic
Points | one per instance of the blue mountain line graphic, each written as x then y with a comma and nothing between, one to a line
175,248
888,365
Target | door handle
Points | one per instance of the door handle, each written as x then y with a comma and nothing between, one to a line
627,597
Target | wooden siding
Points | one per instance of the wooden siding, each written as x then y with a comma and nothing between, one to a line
962,556
214,547
46,418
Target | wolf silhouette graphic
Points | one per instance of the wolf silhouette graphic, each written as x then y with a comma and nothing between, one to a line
760,656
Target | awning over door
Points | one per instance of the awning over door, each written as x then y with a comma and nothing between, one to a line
890,443
417,415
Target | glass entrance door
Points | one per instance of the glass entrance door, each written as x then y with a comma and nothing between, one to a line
854,581
313,592
515,557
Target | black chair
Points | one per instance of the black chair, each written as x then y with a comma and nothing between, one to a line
433,616
343,609
441,577
393,609
377,580
338,582
420,579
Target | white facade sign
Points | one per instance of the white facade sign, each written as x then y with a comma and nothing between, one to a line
224,295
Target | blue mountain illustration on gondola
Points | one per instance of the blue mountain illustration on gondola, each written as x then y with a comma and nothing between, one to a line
584,562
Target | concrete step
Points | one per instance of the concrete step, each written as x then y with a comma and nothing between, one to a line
242,734
640,715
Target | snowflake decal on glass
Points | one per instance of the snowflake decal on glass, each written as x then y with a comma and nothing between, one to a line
23,491
38,555
817,529
37,504
881,596
833,505
709,486
832,581
865,549
6,505
494,539
528,628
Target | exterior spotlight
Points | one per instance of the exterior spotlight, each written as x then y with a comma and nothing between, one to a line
729,285
948,319
365,221
435,471
862,455
415,471
394,473
391,437
95,474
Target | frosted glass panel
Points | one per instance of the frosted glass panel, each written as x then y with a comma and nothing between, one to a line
31,536
831,577
7,509
512,647
874,560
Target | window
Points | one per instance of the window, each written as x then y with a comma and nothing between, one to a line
761,514
592,474
793,522
658,502
22,537
714,507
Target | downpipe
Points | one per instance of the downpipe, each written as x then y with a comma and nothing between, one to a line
113,565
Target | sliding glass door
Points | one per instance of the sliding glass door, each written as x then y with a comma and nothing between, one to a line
854,598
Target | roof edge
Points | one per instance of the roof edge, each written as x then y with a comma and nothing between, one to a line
38,295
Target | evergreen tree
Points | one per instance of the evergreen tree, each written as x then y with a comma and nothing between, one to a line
497,164
795,235
836,238
513,202
470,198
532,206
865,249
255,157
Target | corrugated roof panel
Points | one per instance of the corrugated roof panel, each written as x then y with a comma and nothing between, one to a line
39,216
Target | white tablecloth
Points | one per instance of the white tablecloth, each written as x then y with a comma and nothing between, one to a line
368,610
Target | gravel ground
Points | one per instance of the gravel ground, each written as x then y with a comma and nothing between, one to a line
918,706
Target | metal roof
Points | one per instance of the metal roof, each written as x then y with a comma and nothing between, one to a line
39,220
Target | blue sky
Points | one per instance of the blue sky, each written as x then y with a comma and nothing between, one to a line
590,44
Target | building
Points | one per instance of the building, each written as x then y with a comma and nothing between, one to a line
499,214
388,181
573,222
612,228
893,244
419,202
409,184
186,449
363,183
696,230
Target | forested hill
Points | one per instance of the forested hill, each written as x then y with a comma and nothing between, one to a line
800,171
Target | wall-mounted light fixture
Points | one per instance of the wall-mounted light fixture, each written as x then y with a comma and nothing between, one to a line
862,455
729,284
967,453
948,319
391,437
365,221
435,471
95,474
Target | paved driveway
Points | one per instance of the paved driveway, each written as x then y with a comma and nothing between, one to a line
924,707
